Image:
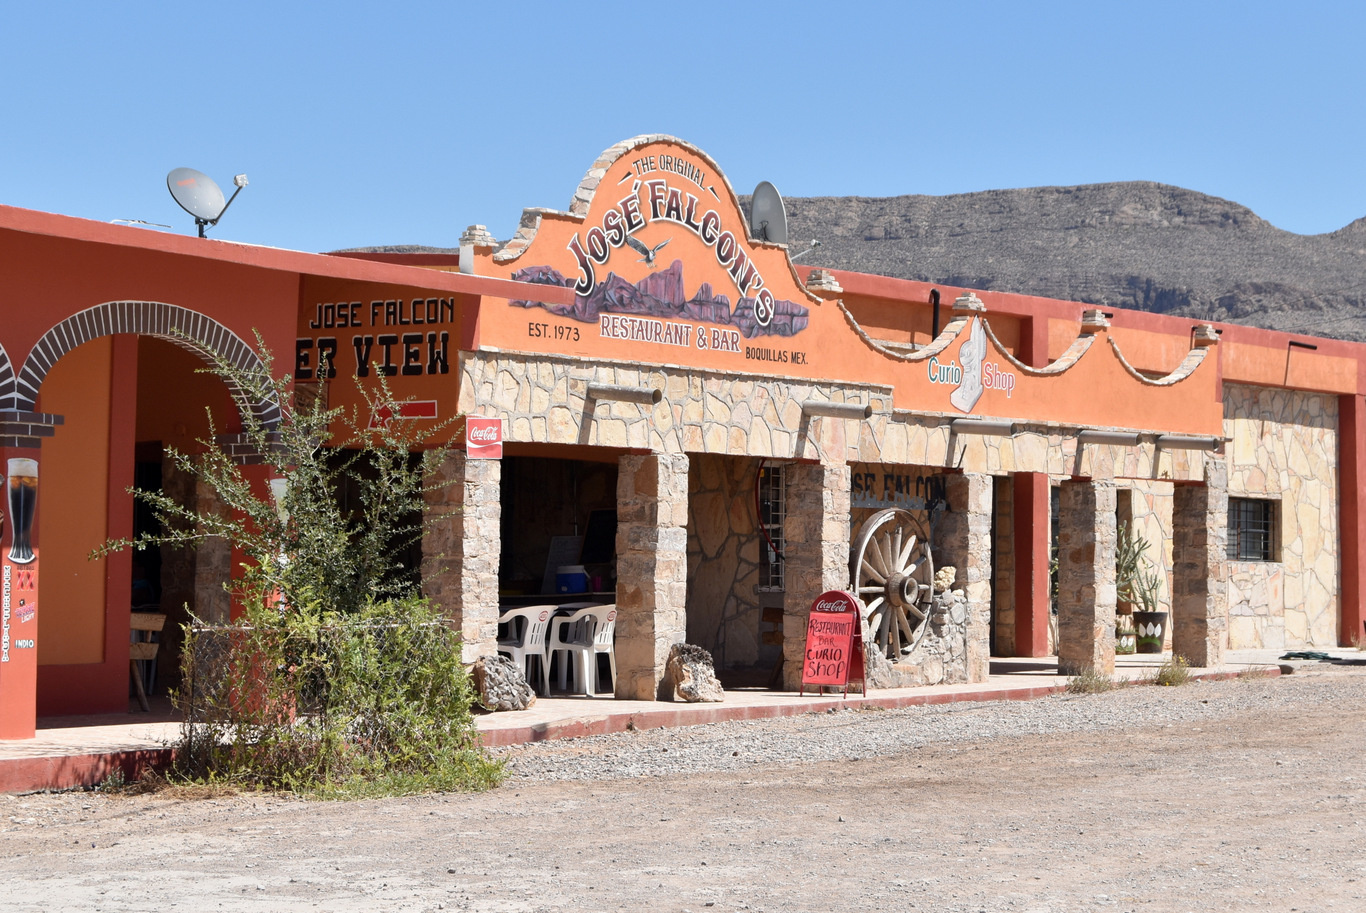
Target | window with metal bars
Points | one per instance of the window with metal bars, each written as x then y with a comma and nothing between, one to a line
1252,529
772,512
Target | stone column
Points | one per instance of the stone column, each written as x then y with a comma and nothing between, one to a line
192,579
652,570
1200,567
460,548
962,540
1086,577
212,559
816,553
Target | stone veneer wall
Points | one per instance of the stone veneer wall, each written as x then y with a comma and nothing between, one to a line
1199,558
1284,447
463,511
1150,506
964,537
652,568
941,658
1086,577
943,654
543,399
1150,513
191,582
723,559
817,534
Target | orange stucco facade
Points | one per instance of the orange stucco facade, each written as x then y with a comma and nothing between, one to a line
653,268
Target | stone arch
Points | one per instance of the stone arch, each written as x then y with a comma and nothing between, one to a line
188,329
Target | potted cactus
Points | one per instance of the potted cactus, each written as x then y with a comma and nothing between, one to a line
1130,560
1150,622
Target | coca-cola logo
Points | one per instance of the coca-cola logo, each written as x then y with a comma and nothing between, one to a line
833,601
482,437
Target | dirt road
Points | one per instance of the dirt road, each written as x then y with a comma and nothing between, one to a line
1229,796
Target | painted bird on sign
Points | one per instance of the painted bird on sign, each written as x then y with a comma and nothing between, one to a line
649,255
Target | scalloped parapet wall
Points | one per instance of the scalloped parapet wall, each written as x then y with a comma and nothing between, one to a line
1092,325
692,306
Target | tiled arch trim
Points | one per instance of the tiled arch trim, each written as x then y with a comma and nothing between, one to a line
7,380
189,329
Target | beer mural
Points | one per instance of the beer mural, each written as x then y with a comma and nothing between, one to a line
23,498
18,580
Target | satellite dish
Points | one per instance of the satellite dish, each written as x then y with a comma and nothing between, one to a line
768,218
200,196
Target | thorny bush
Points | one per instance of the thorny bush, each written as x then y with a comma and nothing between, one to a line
334,677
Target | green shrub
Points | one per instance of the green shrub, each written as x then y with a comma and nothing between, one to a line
376,703
334,678
1173,672
1089,681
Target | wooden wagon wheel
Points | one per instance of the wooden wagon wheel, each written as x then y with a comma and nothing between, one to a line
892,573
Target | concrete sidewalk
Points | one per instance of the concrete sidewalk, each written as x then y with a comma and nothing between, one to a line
84,751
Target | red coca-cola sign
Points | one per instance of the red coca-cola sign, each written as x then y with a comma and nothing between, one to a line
834,642
481,438
834,601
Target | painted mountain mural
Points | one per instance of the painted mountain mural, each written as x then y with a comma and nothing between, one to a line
661,294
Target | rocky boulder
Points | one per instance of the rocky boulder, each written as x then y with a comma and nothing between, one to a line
693,675
501,685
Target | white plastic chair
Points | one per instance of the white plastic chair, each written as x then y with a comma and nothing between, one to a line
604,641
531,643
565,633
581,636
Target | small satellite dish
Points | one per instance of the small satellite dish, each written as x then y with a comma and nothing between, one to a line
768,218
200,196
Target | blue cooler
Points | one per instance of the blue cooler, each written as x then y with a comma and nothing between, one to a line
571,578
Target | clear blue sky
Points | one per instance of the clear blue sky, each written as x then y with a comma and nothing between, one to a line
370,123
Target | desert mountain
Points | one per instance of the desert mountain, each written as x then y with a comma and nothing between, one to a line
1140,245
1136,244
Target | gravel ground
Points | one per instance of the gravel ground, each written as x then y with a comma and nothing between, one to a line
851,736
1222,796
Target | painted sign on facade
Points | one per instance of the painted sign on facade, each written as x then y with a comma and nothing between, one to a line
394,337
876,486
663,305
351,333
662,256
971,374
